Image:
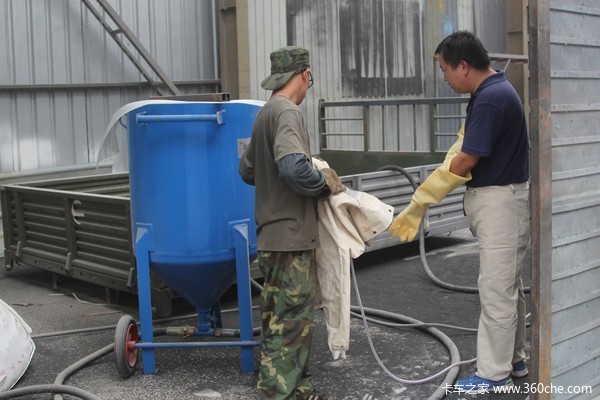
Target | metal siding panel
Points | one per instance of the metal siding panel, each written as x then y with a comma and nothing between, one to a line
94,54
60,42
572,91
569,127
380,47
576,289
176,56
573,56
179,34
489,20
568,20
63,133
135,15
323,41
575,149
442,19
586,155
74,61
465,10
268,32
574,256
6,62
586,382
142,27
26,147
575,320
310,23
43,125
21,45
159,44
575,185
57,38
202,43
7,134
575,51
255,60
40,38
583,365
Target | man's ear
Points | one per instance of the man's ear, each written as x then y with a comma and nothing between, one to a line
464,66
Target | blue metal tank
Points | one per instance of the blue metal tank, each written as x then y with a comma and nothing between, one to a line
185,189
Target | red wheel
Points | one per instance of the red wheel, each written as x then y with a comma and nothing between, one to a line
126,354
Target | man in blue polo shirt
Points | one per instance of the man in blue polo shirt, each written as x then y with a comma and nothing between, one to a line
493,160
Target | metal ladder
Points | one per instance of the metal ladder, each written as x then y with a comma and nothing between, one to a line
165,86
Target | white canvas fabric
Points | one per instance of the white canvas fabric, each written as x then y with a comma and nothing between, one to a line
347,221
16,346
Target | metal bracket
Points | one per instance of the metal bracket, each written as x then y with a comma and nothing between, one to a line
76,214
130,277
20,246
68,262
232,227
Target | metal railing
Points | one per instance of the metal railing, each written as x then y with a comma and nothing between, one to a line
433,124
396,105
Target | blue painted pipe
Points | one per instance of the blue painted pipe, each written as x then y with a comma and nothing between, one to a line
145,118
165,345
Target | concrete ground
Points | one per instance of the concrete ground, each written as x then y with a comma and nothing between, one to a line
391,279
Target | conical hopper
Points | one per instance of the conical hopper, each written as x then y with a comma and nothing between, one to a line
201,285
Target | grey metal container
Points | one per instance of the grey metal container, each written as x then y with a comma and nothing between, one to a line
76,227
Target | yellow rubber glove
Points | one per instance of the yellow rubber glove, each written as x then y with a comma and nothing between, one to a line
457,146
437,186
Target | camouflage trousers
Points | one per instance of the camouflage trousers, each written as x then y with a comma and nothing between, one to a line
287,305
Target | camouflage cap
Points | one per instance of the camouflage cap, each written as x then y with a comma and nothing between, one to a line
285,62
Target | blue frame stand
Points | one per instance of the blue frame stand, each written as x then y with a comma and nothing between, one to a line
241,244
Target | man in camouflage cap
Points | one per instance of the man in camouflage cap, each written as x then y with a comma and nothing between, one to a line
278,163
285,63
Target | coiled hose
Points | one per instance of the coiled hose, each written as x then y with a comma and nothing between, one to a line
35,389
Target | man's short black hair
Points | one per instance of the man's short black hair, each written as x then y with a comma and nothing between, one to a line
463,45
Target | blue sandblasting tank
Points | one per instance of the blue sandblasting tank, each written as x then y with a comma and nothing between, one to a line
185,189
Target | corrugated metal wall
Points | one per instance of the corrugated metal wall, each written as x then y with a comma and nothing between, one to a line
268,27
486,18
393,58
575,84
65,76
353,58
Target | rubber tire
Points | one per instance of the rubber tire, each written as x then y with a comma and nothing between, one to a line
126,356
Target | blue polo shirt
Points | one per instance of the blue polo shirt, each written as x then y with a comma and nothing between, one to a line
496,131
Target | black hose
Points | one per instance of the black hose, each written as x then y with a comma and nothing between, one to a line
415,325
72,331
430,274
60,378
255,284
35,389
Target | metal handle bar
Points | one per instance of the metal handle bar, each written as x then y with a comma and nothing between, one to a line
144,118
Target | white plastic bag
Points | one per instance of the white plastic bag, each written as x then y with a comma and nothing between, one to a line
16,346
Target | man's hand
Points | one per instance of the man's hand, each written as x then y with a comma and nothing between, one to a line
333,181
